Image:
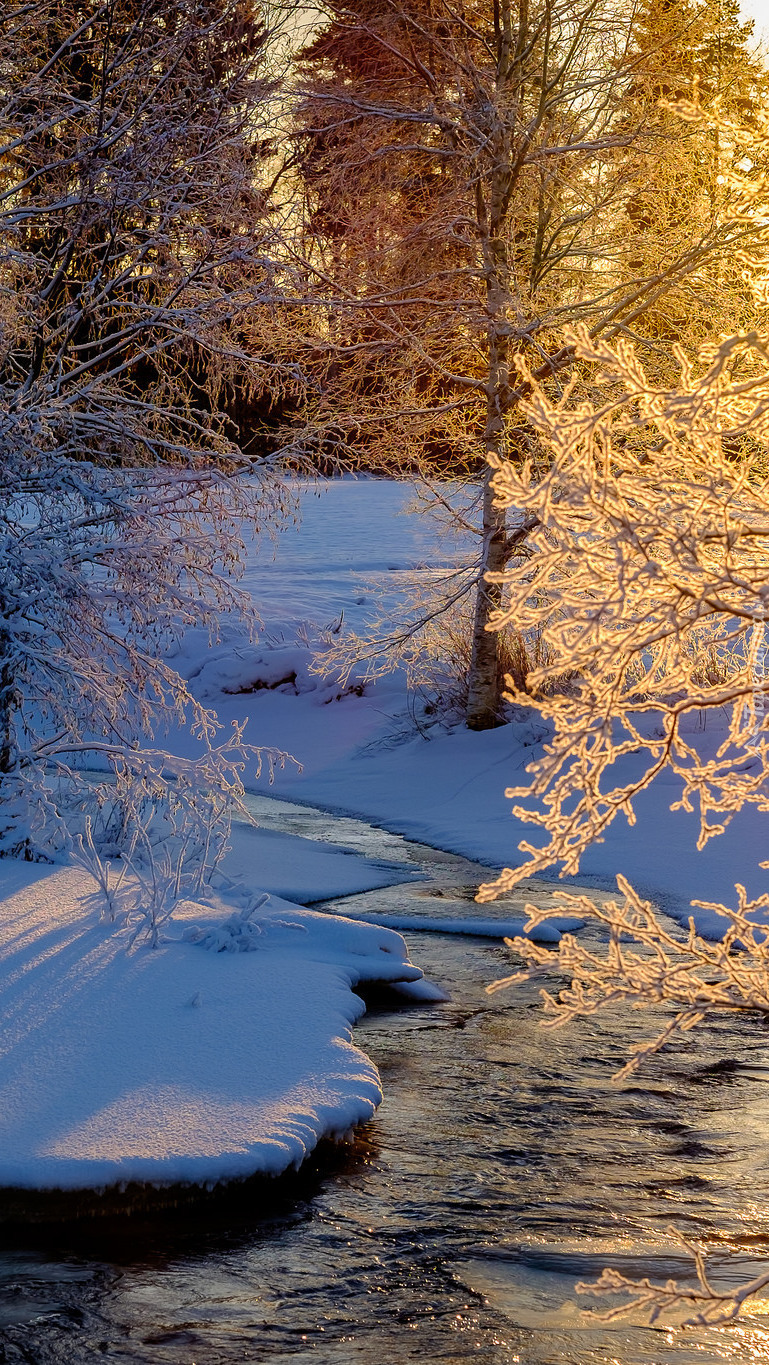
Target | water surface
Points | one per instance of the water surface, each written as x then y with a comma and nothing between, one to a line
501,1168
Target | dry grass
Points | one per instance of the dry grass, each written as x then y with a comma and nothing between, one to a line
439,669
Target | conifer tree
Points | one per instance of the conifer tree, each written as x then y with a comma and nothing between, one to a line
675,174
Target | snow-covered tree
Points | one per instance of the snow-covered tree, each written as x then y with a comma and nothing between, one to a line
133,236
476,179
650,586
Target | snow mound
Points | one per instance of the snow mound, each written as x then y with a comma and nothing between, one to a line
176,1064
234,670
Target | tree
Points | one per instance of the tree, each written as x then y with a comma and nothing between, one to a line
132,237
651,583
467,199
673,174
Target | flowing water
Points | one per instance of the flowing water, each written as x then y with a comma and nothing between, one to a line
501,1168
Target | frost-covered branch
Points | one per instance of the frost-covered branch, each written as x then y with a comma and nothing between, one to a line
166,829
703,1304
645,965
135,237
648,580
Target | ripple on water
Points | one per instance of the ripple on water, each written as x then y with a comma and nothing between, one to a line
501,1168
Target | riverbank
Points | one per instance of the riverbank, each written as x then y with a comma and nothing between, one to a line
194,1061
186,1063
501,1168
358,549
227,1050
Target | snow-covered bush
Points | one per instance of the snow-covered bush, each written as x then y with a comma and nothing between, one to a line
238,934
297,668
31,824
113,893
158,836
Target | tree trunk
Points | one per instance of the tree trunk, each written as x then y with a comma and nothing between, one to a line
8,754
9,757
484,689
484,683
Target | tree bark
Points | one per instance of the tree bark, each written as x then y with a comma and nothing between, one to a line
484,691
8,755
484,683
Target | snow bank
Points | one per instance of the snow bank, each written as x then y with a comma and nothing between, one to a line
476,925
303,870
178,1064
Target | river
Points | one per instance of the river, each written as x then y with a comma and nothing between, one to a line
501,1168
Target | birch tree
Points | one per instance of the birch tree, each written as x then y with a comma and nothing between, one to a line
133,235
467,198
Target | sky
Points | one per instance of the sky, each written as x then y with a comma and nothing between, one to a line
758,10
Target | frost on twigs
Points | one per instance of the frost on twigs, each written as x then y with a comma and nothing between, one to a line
168,832
647,575
644,964
133,243
238,934
702,1304
649,582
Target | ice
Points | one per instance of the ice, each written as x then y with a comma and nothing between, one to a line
549,932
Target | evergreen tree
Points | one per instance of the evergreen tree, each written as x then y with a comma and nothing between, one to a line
674,174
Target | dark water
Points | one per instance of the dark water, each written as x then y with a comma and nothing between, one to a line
501,1168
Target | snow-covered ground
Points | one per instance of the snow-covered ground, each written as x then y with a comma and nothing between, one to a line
190,1062
186,1062
446,789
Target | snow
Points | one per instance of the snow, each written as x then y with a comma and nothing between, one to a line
449,792
445,789
180,1063
251,668
302,870
352,536
228,1049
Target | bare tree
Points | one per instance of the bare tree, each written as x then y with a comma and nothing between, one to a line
651,582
